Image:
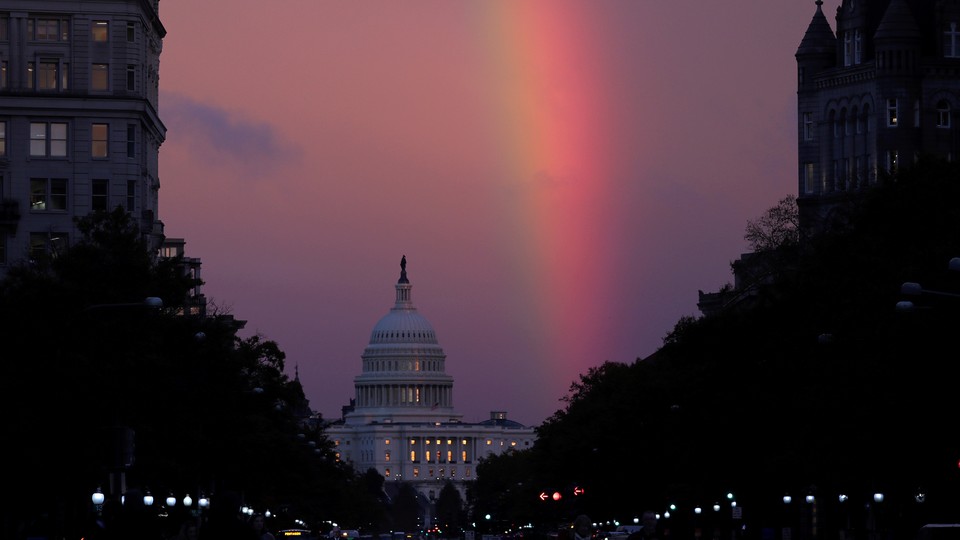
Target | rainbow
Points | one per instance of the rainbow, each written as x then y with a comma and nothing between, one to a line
551,121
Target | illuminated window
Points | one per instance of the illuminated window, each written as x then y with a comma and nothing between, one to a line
386,441
48,29
336,442
413,441
893,112
463,456
47,74
416,472
450,456
429,456
464,441
428,441
893,159
467,472
3,138
386,472
47,244
48,139
386,456
449,441
513,443
48,194
98,140
99,31
413,456
99,195
489,442
99,77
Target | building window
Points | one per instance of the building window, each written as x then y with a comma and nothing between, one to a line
807,126
916,113
3,140
131,140
98,140
4,24
893,158
847,48
951,41
413,456
386,472
48,29
47,244
131,78
48,139
100,31
3,75
47,75
893,112
100,77
943,114
429,456
99,195
466,472
463,456
416,472
48,194
131,32
386,456
857,46
131,196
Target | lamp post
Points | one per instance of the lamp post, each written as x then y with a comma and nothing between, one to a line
97,499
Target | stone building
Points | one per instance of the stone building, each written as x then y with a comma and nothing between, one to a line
402,422
876,94
79,125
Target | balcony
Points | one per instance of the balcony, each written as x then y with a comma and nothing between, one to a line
9,215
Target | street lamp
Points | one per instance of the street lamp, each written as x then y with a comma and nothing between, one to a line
147,499
171,500
97,499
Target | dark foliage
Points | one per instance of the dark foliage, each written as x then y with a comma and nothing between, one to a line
820,384
97,384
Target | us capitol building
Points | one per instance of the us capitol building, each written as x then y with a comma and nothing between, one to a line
402,422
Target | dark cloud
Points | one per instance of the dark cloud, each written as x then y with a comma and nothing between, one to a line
212,133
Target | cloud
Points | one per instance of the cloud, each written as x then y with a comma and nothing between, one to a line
210,133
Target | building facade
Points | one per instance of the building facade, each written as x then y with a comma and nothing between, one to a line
876,95
79,128
402,422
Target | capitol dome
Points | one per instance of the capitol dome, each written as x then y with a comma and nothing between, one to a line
403,377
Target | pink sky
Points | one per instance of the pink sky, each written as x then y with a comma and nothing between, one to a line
562,175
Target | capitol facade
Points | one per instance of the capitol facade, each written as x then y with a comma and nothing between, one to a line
402,422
